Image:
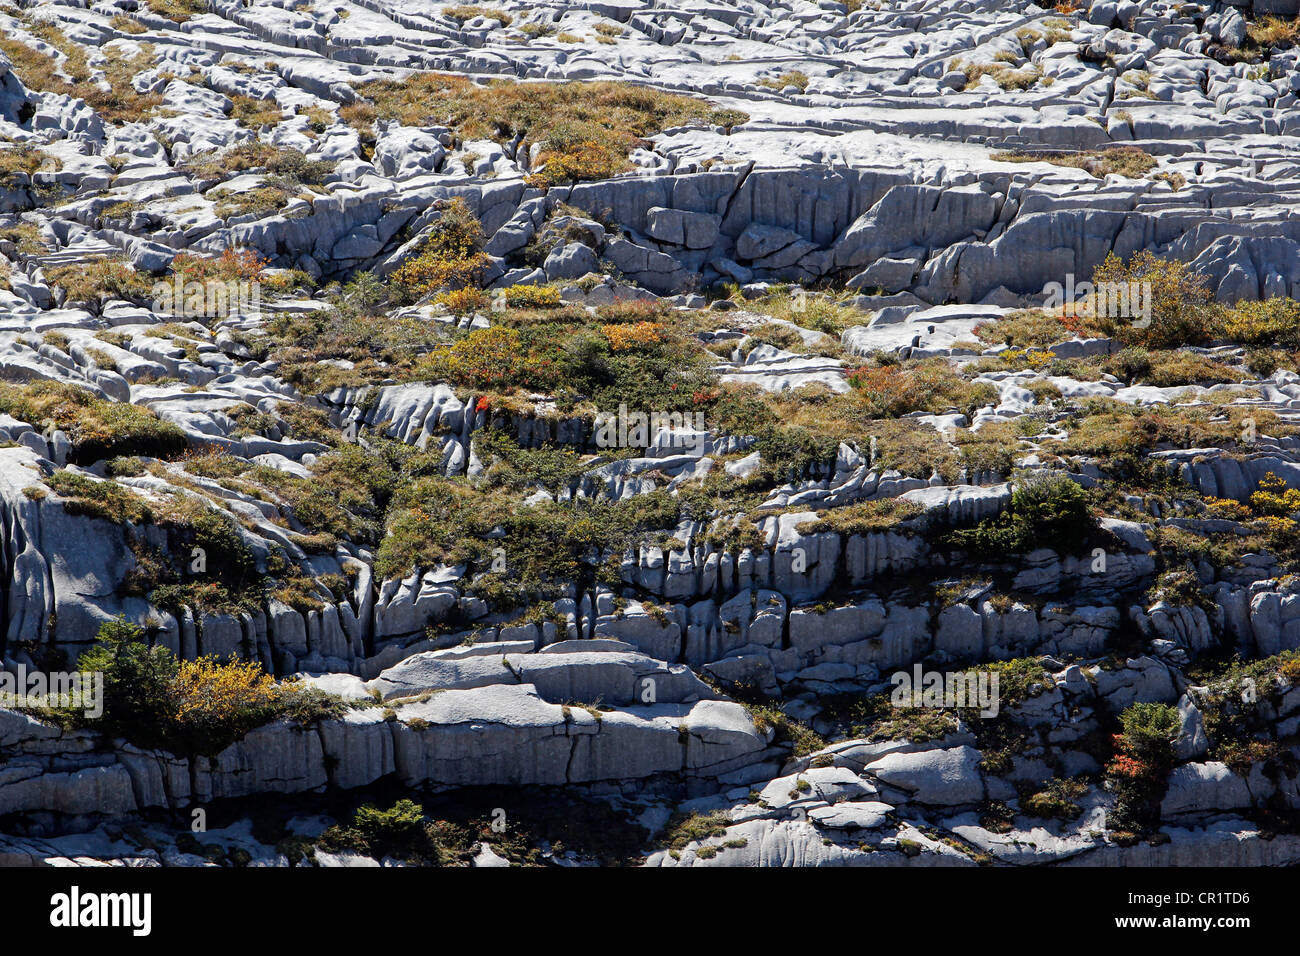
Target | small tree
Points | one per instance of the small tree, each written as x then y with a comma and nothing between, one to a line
137,679
1144,755
1180,301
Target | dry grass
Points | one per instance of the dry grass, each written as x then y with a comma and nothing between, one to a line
178,11
587,129
795,78
288,164
1121,160
254,113
125,24
120,103
23,161
100,279
26,236
464,13
1271,31
1002,73
260,202
319,119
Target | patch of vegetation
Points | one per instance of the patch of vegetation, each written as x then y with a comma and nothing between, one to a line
1102,427
99,499
795,78
96,281
1057,800
285,164
451,255
186,707
178,11
1139,772
449,830
1270,31
26,236
586,130
1027,328
1237,706
253,113
767,716
1003,75
1165,369
930,385
1272,322
1130,161
684,829
110,95
543,548
1180,301
96,427
865,517
23,161
464,12
1047,510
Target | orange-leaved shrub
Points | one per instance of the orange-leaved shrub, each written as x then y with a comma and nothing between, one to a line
451,257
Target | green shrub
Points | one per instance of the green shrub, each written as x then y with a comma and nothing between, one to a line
1046,511
404,832
1139,772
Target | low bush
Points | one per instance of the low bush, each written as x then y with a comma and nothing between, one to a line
1139,771
1046,511
532,297
451,256
187,707
1272,322
1181,312
1056,800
